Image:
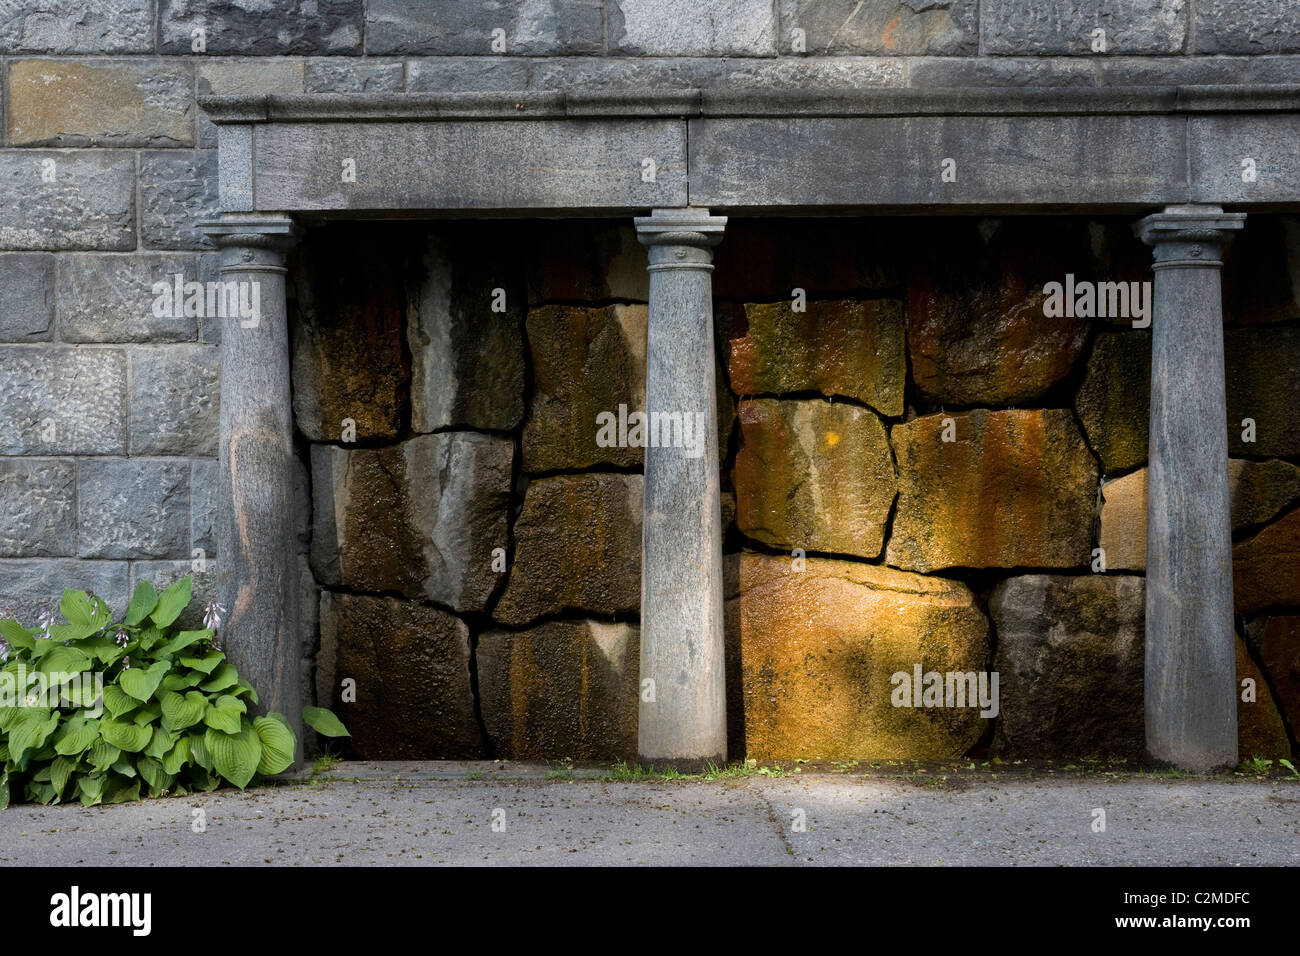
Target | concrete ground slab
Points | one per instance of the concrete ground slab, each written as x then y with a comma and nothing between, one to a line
399,814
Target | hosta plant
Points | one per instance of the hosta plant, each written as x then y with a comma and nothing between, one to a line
102,711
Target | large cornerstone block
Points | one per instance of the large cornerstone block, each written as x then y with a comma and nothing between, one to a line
1133,26
883,27
840,347
62,401
38,516
100,103
29,584
175,396
561,689
410,667
177,192
421,518
577,547
466,27
1246,26
67,200
262,29
465,328
26,297
133,508
992,489
682,28
813,475
72,26
106,298
814,654
1069,661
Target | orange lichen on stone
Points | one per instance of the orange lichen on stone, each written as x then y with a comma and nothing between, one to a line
816,650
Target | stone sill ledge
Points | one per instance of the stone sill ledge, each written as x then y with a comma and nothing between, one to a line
533,105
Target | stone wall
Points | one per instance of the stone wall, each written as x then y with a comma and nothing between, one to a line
932,471
919,468
109,412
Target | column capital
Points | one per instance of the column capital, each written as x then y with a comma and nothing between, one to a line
1193,223
252,242
690,226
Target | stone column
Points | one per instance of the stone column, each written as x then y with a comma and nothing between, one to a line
256,570
1191,699
683,715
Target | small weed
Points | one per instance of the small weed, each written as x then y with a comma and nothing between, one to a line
326,761
729,771
1255,765
625,772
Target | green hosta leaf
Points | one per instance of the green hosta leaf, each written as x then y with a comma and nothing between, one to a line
4,790
171,602
91,788
235,756
76,736
152,772
84,616
141,684
143,601
178,756
222,678
245,689
118,702
183,640
278,744
31,729
81,693
323,721
182,681
4,750
17,635
123,792
161,742
104,649
224,714
206,663
64,660
8,715
147,714
60,771
180,712
129,737
199,750
77,608
103,755
204,780
40,792
149,637
124,767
